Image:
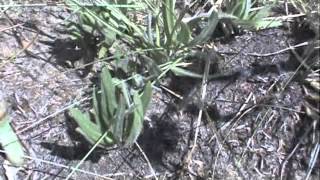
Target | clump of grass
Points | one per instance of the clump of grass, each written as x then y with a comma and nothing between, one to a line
162,39
249,15
118,110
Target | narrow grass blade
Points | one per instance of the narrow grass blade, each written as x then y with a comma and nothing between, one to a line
122,18
168,16
241,9
103,23
136,125
247,4
119,120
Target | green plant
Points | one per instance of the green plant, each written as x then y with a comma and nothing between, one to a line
8,139
163,41
118,110
250,17
166,36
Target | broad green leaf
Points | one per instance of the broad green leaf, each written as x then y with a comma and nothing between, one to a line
263,24
183,72
10,142
84,122
102,52
90,130
146,96
185,34
91,140
125,92
108,101
104,108
138,104
97,111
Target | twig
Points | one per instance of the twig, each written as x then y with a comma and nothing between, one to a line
87,155
203,96
293,151
106,176
285,17
242,111
314,157
50,116
250,140
218,138
278,52
11,27
147,160
302,63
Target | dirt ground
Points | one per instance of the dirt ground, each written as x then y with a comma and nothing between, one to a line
253,132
